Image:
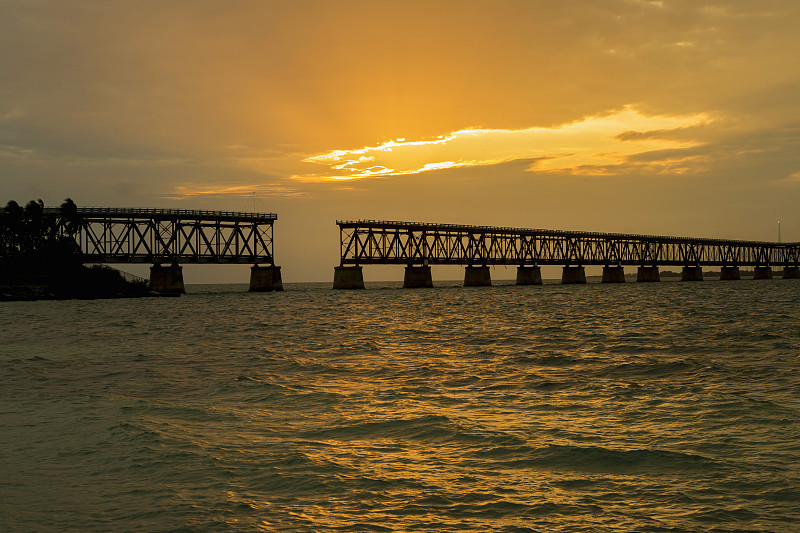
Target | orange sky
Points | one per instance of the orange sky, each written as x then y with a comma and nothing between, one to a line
659,117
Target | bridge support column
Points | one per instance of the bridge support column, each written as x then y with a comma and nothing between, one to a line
417,276
791,272
648,274
571,275
762,272
530,275
613,274
167,279
692,273
265,279
348,277
729,273
477,276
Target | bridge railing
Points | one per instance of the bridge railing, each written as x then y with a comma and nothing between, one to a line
391,242
150,212
393,224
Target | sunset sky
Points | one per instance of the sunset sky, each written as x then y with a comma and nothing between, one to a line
660,117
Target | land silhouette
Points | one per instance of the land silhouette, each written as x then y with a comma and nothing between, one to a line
40,259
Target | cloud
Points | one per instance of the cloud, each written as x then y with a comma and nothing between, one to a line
182,192
11,114
791,179
206,101
595,141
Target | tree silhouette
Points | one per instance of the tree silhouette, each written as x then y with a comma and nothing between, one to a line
30,240
70,220
40,258
12,221
34,236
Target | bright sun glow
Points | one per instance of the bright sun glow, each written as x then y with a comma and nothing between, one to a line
594,142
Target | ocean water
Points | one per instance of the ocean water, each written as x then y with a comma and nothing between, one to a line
636,407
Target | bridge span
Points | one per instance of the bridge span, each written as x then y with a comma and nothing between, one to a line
166,238
420,245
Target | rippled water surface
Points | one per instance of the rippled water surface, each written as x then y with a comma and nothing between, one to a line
640,407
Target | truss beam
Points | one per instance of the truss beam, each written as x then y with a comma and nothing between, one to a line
116,235
366,242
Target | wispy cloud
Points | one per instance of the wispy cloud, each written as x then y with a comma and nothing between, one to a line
182,192
596,141
792,179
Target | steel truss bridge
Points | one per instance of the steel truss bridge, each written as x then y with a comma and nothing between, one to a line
121,235
366,242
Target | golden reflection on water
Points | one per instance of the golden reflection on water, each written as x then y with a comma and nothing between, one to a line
593,408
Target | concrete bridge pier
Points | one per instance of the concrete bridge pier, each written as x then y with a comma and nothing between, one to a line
613,274
529,275
762,272
573,275
791,272
265,278
477,276
417,276
692,273
729,273
167,279
648,274
348,277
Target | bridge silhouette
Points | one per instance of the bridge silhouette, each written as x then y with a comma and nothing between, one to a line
420,245
166,238
174,236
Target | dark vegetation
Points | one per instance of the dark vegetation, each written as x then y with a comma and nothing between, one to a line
39,258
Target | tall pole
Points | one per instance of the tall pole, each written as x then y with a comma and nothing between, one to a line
779,231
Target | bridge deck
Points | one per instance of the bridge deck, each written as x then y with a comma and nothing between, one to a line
167,214
150,235
504,230
393,242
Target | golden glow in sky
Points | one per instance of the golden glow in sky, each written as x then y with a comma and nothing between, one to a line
637,116
587,146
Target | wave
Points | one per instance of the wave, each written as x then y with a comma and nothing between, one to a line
550,360
653,369
430,428
600,459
